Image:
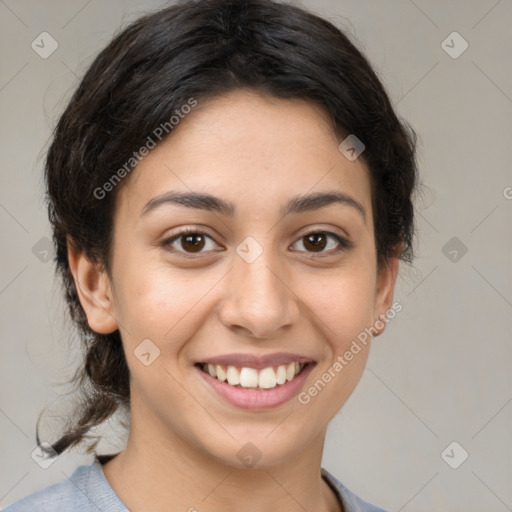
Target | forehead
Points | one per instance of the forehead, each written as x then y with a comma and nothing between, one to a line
254,150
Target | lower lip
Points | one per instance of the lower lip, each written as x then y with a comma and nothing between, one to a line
254,399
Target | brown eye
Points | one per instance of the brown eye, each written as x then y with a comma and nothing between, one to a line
315,242
189,241
192,242
318,241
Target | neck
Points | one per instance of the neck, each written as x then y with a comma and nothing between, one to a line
158,470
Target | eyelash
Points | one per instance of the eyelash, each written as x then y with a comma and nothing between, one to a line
343,242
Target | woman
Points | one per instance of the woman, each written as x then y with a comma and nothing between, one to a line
230,195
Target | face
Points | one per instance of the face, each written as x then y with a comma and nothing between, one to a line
261,272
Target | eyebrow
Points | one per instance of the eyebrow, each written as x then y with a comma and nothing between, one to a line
297,204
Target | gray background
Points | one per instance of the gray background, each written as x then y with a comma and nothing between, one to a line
441,371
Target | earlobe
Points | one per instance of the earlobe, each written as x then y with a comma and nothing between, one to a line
386,280
94,291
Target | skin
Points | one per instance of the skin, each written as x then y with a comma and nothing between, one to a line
256,151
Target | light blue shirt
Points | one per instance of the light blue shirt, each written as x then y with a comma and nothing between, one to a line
87,490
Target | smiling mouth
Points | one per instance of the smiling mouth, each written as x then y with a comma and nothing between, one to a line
251,378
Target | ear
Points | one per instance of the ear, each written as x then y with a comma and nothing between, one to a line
385,289
94,291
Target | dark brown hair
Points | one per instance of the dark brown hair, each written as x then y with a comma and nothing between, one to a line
201,49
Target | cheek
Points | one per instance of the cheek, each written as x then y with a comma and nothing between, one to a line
161,304
343,307
164,308
343,300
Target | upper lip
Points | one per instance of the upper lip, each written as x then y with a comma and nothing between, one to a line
257,362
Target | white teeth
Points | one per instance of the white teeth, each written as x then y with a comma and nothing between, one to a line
221,374
233,376
290,371
249,378
281,374
245,377
267,379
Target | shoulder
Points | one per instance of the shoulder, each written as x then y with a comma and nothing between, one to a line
83,491
351,502
65,494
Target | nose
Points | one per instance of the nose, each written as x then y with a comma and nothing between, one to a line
259,298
